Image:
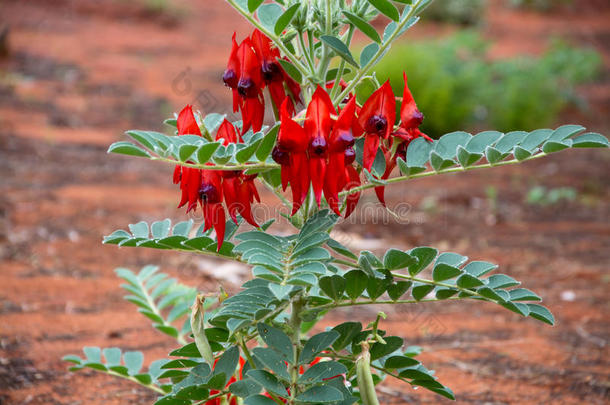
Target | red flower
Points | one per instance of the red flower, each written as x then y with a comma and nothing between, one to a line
249,87
197,185
231,74
410,120
291,153
377,118
273,74
318,124
341,142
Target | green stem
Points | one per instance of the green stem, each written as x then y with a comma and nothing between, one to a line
278,42
336,85
433,172
308,56
220,394
152,387
243,166
363,70
295,324
334,305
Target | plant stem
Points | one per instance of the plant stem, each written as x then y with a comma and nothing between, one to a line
363,70
130,378
336,85
295,61
295,324
433,172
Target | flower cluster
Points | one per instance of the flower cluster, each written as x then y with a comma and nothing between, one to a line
253,64
320,153
210,188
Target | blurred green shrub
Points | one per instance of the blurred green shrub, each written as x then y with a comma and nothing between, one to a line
540,5
457,88
465,12
540,195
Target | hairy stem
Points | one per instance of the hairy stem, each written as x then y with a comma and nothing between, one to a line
295,61
373,61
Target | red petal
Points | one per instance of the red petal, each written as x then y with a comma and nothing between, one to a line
410,116
230,196
352,199
317,171
226,132
219,222
333,183
318,121
177,174
186,122
371,145
249,63
291,137
381,103
244,206
276,90
299,180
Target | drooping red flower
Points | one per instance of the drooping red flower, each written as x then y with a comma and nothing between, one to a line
341,140
377,118
291,153
231,74
410,120
273,73
318,124
249,87
198,185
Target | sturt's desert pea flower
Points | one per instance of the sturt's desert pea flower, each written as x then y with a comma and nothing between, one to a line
410,120
291,153
273,73
377,118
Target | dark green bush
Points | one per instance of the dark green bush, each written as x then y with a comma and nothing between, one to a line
451,78
466,12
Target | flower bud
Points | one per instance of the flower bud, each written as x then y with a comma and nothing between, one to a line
198,329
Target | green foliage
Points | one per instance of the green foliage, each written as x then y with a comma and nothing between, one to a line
540,5
155,294
456,87
540,195
465,12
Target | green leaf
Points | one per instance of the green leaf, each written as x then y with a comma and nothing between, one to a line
478,268
398,289
244,388
286,18
322,370
280,291
269,14
127,148
386,8
339,248
590,140
425,255
420,291
493,155
340,48
466,158
523,294
541,313
316,344
333,286
395,259
291,70
468,281
501,281
320,394
259,400
266,145
205,151
246,153
133,361
556,146
479,142
368,52
444,272
227,363
347,332
392,343
360,23
396,362
355,283
277,340
268,381
254,4
272,360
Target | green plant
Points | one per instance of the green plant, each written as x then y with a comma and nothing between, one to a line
465,12
540,195
540,5
260,346
451,78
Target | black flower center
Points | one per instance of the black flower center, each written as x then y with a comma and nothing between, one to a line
350,156
271,72
377,124
280,156
209,193
246,88
230,78
318,146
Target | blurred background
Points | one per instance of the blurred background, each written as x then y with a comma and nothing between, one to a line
74,74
